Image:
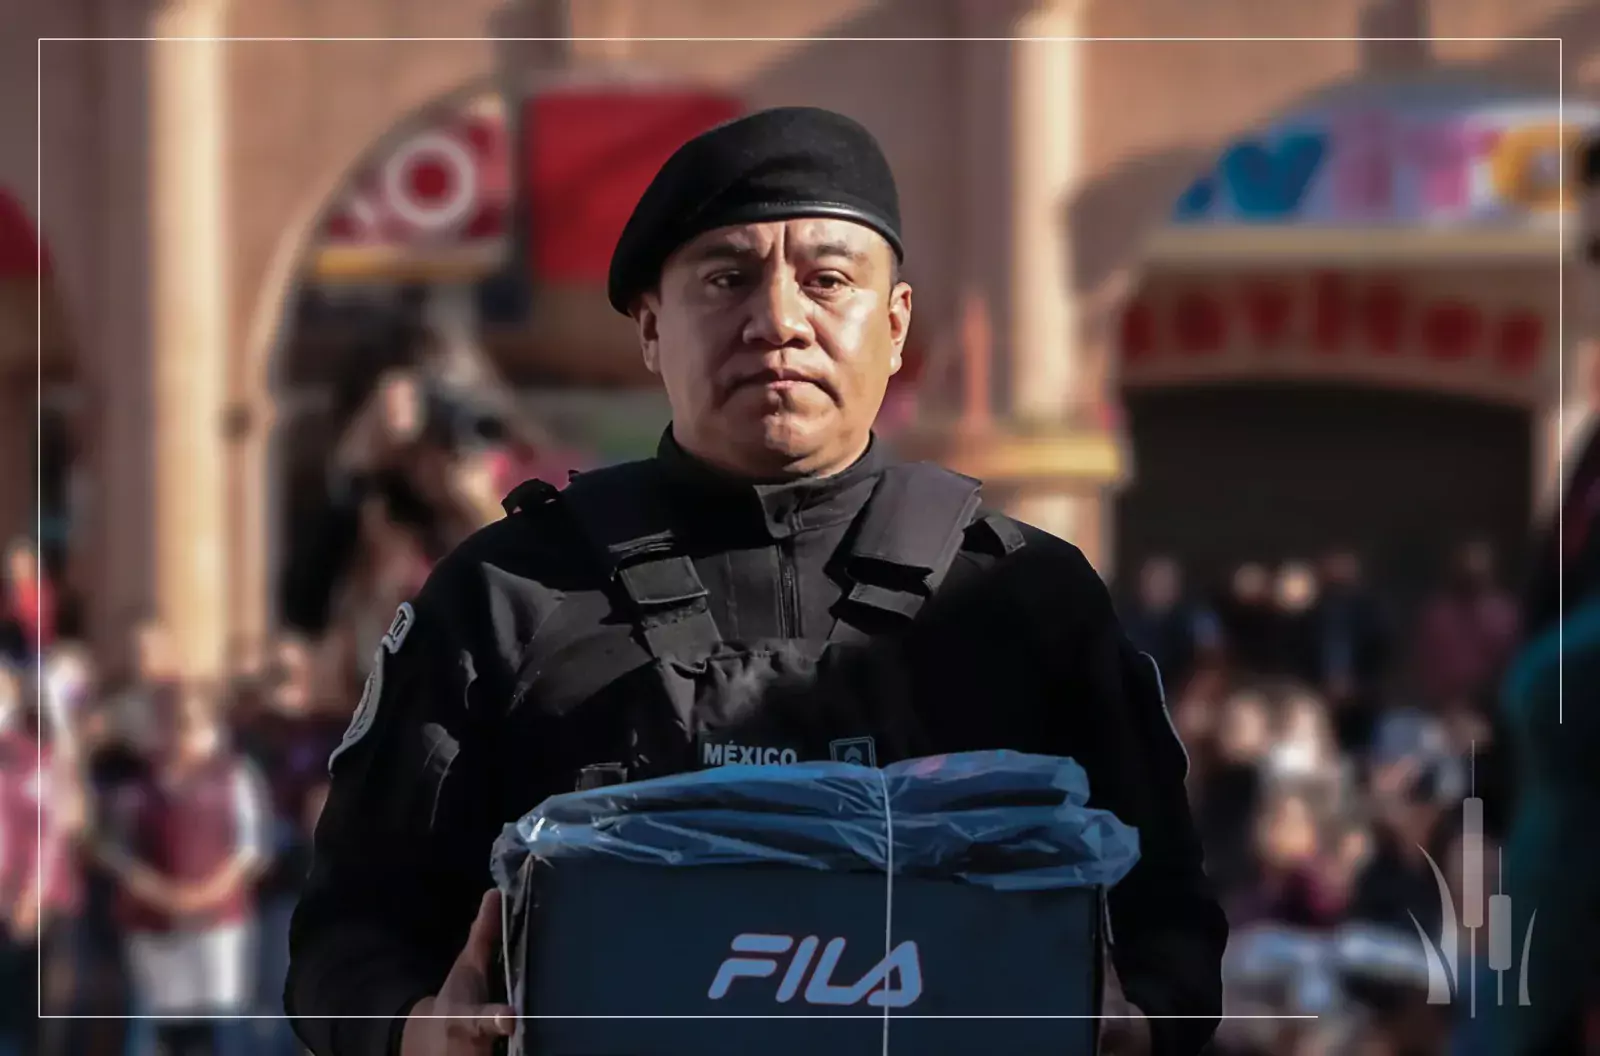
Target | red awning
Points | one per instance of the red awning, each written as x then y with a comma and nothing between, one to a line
19,251
588,156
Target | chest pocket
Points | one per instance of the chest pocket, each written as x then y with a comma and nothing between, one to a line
703,701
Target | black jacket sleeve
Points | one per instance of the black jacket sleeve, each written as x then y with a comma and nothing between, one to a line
401,853
1168,930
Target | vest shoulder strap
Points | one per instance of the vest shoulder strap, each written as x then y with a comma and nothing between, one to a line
908,536
914,523
995,534
623,513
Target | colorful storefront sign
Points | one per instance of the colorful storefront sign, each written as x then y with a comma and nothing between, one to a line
1398,159
433,203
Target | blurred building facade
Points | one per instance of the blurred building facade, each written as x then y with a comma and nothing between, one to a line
1156,281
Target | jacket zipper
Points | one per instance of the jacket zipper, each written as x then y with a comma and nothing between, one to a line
788,602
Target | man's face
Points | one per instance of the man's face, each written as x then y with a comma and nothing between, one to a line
775,342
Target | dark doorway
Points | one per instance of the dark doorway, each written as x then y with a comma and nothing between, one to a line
1272,472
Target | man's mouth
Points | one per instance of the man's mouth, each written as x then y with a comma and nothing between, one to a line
779,380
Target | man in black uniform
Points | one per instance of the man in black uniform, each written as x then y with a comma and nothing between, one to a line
754,593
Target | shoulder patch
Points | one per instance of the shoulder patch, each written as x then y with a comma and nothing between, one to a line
530,493
404,617
366,712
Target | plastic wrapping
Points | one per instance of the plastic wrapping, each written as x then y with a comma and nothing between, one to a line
1003,820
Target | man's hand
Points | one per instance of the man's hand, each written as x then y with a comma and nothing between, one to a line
459,1020
1125,1031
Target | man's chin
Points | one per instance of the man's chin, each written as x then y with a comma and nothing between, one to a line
780,444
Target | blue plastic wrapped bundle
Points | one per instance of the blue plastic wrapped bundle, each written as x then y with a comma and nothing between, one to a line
1004,820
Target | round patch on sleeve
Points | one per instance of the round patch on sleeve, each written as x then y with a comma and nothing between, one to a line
366,712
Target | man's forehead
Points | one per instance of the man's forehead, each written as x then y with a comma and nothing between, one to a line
808,236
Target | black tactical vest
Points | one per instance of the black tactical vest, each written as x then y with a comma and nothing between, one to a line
701,700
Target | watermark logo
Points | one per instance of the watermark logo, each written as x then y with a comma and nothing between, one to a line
1445,981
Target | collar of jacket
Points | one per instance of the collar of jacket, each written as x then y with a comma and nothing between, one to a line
775,511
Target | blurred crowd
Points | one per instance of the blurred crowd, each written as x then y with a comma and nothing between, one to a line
162,826
1332,736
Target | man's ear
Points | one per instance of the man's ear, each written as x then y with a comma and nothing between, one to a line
899,319
646,319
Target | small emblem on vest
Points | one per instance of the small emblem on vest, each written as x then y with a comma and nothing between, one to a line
861,751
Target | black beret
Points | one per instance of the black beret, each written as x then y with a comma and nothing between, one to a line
775,164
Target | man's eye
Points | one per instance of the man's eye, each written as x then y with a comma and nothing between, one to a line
829,280
726,280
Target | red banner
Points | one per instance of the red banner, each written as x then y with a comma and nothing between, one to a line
20,256
588,156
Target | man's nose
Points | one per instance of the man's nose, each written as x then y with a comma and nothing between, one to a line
778,316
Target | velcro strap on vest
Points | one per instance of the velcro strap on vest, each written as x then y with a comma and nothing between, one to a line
899,602
662,583
914,521
622,511
908,536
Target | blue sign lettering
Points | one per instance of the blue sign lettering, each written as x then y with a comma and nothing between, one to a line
1257,180
1269,183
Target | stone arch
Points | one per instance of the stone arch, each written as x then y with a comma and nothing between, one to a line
255,419
269,316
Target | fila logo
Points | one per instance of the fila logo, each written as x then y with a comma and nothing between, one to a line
903,962
746,755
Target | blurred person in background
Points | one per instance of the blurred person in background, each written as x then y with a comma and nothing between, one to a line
1227,802
18,981
1466,631
373,456
377,442
67,693
1163,623
1353,647
186,839
288,734
28,604
390,567
1195,715
1248,619
1397,885
1289,853
1305,752
117,733
1294,593
41,818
